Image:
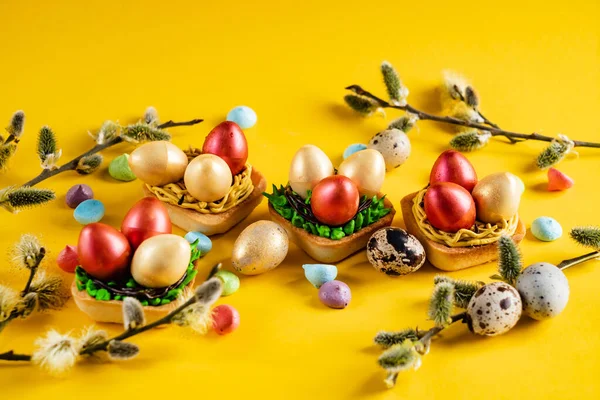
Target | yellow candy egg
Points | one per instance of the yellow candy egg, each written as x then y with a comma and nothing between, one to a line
309,166
366,168
160,261
158,163
260,247
497,197
208,178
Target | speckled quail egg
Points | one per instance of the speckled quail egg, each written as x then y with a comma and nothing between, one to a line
395,252
394,145
544,290
494,309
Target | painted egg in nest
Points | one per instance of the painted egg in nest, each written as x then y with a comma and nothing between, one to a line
395,252
494,309
544,290
394,146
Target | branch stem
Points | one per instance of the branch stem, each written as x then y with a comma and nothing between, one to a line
12,356
33,270
455,121
578,260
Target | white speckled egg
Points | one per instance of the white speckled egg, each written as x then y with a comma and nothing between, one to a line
395,252
394,145
494,309
544,289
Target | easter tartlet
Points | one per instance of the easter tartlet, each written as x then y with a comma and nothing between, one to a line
206,190
331,216
458,219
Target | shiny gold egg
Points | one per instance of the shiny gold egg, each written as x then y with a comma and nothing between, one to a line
366,168
160,261
497,197
208,178
158,163
309,166
260,247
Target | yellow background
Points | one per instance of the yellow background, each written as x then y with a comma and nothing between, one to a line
74,64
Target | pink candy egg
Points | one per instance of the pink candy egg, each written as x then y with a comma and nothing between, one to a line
226,319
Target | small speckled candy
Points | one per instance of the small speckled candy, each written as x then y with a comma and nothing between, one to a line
544,290
226,319
353,148
395,252
494,309
89,211
546,229
335,294
120,170
204,242
231,282
318,274
244,116
394,145
68,259
78,194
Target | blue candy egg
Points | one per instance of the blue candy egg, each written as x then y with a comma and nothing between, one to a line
89,211
204,243
354,148
319,274
546,229
244,116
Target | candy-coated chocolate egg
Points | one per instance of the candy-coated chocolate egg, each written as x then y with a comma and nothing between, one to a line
309,166
227,141
68,259
260,247
335,294
318,274
497,197
104,252
208,178
353,148
335,200
89,211
449,207
158,163
244,116
226,319
230,282
452,166
366,169
161,261
394,145
148,217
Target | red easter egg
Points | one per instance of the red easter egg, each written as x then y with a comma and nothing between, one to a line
227,141
226,319
68,259
452,166
335,200
449,207
103,251
148,217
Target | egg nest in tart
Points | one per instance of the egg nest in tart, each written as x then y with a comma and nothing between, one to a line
480,233
297,210
176,193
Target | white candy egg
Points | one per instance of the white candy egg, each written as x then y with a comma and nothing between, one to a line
494,309
544,289
394,146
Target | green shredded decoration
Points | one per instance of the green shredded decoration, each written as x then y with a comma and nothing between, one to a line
374,213
84,282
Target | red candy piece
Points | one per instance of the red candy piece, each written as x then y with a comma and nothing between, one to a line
558,181
68,259
226,319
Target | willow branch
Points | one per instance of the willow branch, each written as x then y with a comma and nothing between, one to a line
12,356
578,260
455,121
71,165
33,270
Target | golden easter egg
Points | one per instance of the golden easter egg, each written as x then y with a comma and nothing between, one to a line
208,178
160,261
260,247
366,168
497,197
309,166
158,163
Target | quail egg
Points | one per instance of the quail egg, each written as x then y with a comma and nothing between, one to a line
494,309
395,252
544,289
394,145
